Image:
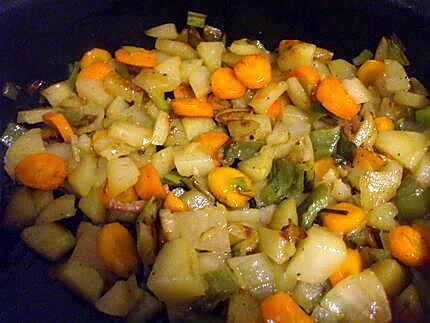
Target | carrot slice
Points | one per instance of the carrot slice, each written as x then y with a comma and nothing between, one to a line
174,203
369,71
274,110
335,99
408,245
149,183
95,55
140,58
344,223
322,166
281,308
183,91
366,159
353,264
210,142
59,122
117,249
384,124
225,85
192,107
43,171
306,74
96,71
253,71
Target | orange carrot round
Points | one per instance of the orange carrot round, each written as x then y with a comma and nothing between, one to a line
253,71
281,308
353,264
96,71
322,166
149,183
344,223
192,107
335,99
95,55
174,203
274,110
306,74
210,142
225,85
117,249
408,245
139,58
59,122
43,171
369,71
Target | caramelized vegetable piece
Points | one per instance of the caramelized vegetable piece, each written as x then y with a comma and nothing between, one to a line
95,71
225,85
253,71
149,183
367,160
59,122
384,124
274,110
344,223
408,245
230,186
281,308
369,71
95,55
117,249
210,142
174,203
139,57
43,171
335,99
192,107
322,166
353,264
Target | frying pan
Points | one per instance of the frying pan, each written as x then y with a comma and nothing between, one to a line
39,38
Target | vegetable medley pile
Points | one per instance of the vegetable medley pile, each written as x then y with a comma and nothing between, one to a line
231,183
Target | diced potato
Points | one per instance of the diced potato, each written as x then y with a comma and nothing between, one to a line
275,246
153,81
32,116
21,210
356,90
259,166
93,90
131,134
164,161
61,149
84,281
121,298
383,216
196,126
110,148
175,276
175,48
308,295
321,67
285,213
116,108
407,147
161,129
265,125
301,54
41,199
211,53
164,31
51,240
367,133
29,143
92,205
242,307
254,273
230,58
341,69
296,120
267,95
378,187
391,274
297,94
199,80
317,256
122,174
60,208
171,68
92,108
393,79
192,161
211,261
83,176
57,93
410,99
244,47
145,310
188,66
422,171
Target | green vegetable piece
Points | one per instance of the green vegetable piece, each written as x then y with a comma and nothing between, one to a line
73,74
364,56
196,19
221,284
282,178
159,101
317,112
345,148
324,141
239,184
150,211
422,116
408,124
315,202
372,255
173,179
396,50
243,150
12,132
412,200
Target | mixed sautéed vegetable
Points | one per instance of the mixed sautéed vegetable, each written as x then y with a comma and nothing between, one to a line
230,183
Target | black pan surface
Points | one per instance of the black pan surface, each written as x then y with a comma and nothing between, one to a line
39,38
